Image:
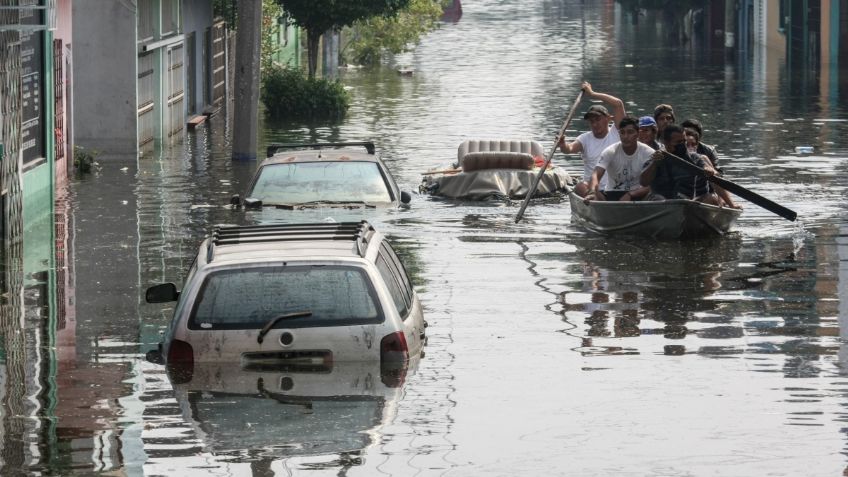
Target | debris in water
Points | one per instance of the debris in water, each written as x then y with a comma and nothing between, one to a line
804,149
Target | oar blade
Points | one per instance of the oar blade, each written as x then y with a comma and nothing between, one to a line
737,189
755,198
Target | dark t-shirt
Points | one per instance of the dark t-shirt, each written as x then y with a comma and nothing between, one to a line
673,179
710,152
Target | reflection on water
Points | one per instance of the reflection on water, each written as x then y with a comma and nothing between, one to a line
256,418
549,347
694,292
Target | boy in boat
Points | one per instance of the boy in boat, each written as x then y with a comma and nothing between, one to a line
600,136
670,180
663,115
621,164
648,132
692,131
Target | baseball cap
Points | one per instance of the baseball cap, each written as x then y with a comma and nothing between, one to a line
647,122
595,109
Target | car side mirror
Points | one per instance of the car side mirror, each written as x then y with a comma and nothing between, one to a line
154,356
161,293
405,197
235,200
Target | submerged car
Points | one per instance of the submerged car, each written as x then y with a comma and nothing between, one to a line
292,294
320,175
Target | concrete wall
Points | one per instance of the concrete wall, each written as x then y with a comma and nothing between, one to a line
105,52
64,32
197,18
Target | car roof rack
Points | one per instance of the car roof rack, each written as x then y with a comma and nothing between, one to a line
273,148
358,232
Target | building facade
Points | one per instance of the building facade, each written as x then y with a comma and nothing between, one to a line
135,92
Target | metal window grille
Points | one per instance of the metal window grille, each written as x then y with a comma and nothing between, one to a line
146,97
59,104
219,62
176,90
146,31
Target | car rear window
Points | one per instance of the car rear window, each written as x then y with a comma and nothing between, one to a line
249,298
344,181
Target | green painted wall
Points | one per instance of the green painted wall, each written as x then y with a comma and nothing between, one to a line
287,42
38,222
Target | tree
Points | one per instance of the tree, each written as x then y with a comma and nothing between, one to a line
318,16
271,11
371,36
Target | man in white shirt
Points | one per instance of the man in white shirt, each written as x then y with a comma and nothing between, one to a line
600,136
621,164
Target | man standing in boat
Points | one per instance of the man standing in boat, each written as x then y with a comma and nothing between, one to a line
670,180
621,164
601,135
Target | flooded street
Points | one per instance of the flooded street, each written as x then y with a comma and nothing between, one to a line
551,351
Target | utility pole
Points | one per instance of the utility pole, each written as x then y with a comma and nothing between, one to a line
246,97
729,29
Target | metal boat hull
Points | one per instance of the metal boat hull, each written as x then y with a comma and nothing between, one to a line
662,220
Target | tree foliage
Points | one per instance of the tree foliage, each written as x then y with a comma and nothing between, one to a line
318,16
287,94
374,35
271,11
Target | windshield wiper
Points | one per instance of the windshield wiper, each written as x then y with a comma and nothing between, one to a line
315,203
336,202
265,329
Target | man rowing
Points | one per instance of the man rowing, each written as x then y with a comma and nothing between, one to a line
670,180
601,135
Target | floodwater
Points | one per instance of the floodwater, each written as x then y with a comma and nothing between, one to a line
551,351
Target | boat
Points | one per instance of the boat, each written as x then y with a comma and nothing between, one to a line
487,169
661,220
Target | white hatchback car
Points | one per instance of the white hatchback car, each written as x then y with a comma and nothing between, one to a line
279,295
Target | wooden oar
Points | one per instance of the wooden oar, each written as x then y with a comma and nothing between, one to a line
737,189
550,156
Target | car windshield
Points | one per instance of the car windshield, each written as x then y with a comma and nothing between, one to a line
248,298
300,182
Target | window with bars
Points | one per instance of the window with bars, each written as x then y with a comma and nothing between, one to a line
146,29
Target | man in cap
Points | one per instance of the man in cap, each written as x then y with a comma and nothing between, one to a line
648,132
600,136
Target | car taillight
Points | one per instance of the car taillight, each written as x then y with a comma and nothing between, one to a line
394,354
180,352
393,347
180,362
